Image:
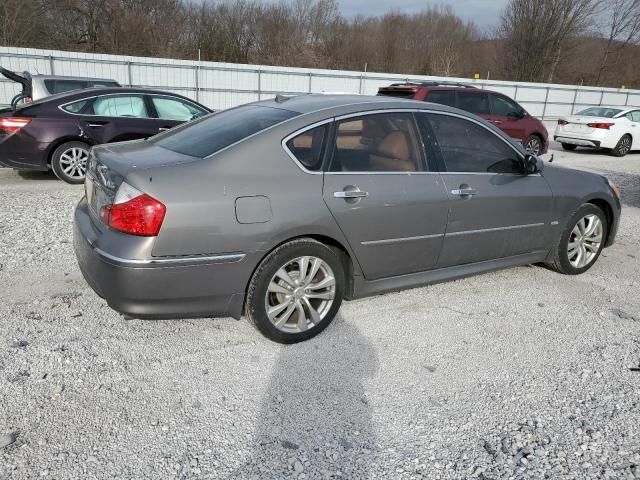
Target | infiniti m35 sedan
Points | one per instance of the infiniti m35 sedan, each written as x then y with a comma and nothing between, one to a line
281,209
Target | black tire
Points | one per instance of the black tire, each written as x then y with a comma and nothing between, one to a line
59,168
622,147
533,144
568,147
561,262
255,306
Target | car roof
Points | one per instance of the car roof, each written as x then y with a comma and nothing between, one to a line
311,103
79,79
70,96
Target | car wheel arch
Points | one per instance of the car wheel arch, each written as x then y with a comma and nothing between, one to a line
54,145
606,207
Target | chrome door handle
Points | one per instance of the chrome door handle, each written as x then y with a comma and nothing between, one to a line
163,129
497,122
350,194
464,192
95,125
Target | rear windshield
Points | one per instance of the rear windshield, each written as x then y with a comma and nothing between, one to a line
60,86
599,112
397,93
212,133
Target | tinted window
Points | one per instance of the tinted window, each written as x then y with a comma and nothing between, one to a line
101,83
477,103
397,93
59,86
212,133
469,147
75,107
599,112
386,142
175,109
504,107
634,116
442,97
120,106
308,147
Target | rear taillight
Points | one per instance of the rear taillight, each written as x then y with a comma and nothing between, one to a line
562,122
133,212
604,125
9,125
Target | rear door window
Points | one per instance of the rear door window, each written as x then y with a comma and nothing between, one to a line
120,106
442,97
75,107
477,103
212,133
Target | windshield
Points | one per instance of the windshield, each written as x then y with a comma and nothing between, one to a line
600,112
214,132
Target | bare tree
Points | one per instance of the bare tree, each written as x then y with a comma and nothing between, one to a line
619,24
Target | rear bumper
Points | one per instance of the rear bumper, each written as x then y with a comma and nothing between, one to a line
23,155
584,142
177,287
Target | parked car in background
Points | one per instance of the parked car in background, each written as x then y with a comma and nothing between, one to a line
502,111
615,128
57,132
35,87
282,208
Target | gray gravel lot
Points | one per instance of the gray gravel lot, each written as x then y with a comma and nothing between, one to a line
522,373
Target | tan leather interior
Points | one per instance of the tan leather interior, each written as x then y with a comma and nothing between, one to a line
397,155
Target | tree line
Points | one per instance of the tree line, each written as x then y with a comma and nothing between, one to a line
591,42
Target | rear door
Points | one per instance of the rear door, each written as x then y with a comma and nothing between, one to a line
476,102
391,208
118,117
507,116
495,210
443,97
171,111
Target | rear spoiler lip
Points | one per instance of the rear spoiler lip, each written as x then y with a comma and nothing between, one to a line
22,80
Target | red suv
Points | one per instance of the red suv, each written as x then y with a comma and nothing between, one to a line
495,107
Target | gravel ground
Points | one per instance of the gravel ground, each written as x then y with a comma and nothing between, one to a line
522,373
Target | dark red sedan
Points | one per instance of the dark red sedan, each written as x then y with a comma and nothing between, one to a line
57,132
502,111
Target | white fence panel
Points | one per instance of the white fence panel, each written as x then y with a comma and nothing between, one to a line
224,85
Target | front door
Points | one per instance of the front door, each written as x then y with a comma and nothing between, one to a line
392,210
496,211
507,116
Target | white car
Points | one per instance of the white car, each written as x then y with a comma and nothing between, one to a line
615,128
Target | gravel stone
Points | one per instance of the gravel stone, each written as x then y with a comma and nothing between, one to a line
419,384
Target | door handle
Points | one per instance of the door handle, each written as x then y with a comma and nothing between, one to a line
497,122
464,191
357,193
95,125
163,129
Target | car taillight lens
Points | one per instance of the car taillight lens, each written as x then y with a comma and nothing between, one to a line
9,125
606,126
562,122
134,212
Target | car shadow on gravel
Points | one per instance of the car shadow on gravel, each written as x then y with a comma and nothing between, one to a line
315,417
629,185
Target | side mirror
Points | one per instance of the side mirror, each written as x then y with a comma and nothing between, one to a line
532,164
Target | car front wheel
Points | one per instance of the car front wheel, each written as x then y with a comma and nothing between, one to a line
582,241
296,291
69,161
533,145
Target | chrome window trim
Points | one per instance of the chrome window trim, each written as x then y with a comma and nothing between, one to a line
174,261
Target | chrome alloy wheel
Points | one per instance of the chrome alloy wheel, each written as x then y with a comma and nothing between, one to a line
584,241
300,294
73,162
533,146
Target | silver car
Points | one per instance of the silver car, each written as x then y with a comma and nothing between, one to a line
36,87
281,209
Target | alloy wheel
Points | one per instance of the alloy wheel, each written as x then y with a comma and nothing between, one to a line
533,146
73,162
625,145
300,294
584,241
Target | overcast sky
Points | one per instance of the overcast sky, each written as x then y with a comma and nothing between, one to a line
485,13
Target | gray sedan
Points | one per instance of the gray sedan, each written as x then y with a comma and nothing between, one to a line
281,209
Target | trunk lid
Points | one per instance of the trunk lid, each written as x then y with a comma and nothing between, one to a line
109,165
580,123
24,79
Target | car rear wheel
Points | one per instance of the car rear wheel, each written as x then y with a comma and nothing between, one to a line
569,147
69,161
296,291
623,147
582,241
533,145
